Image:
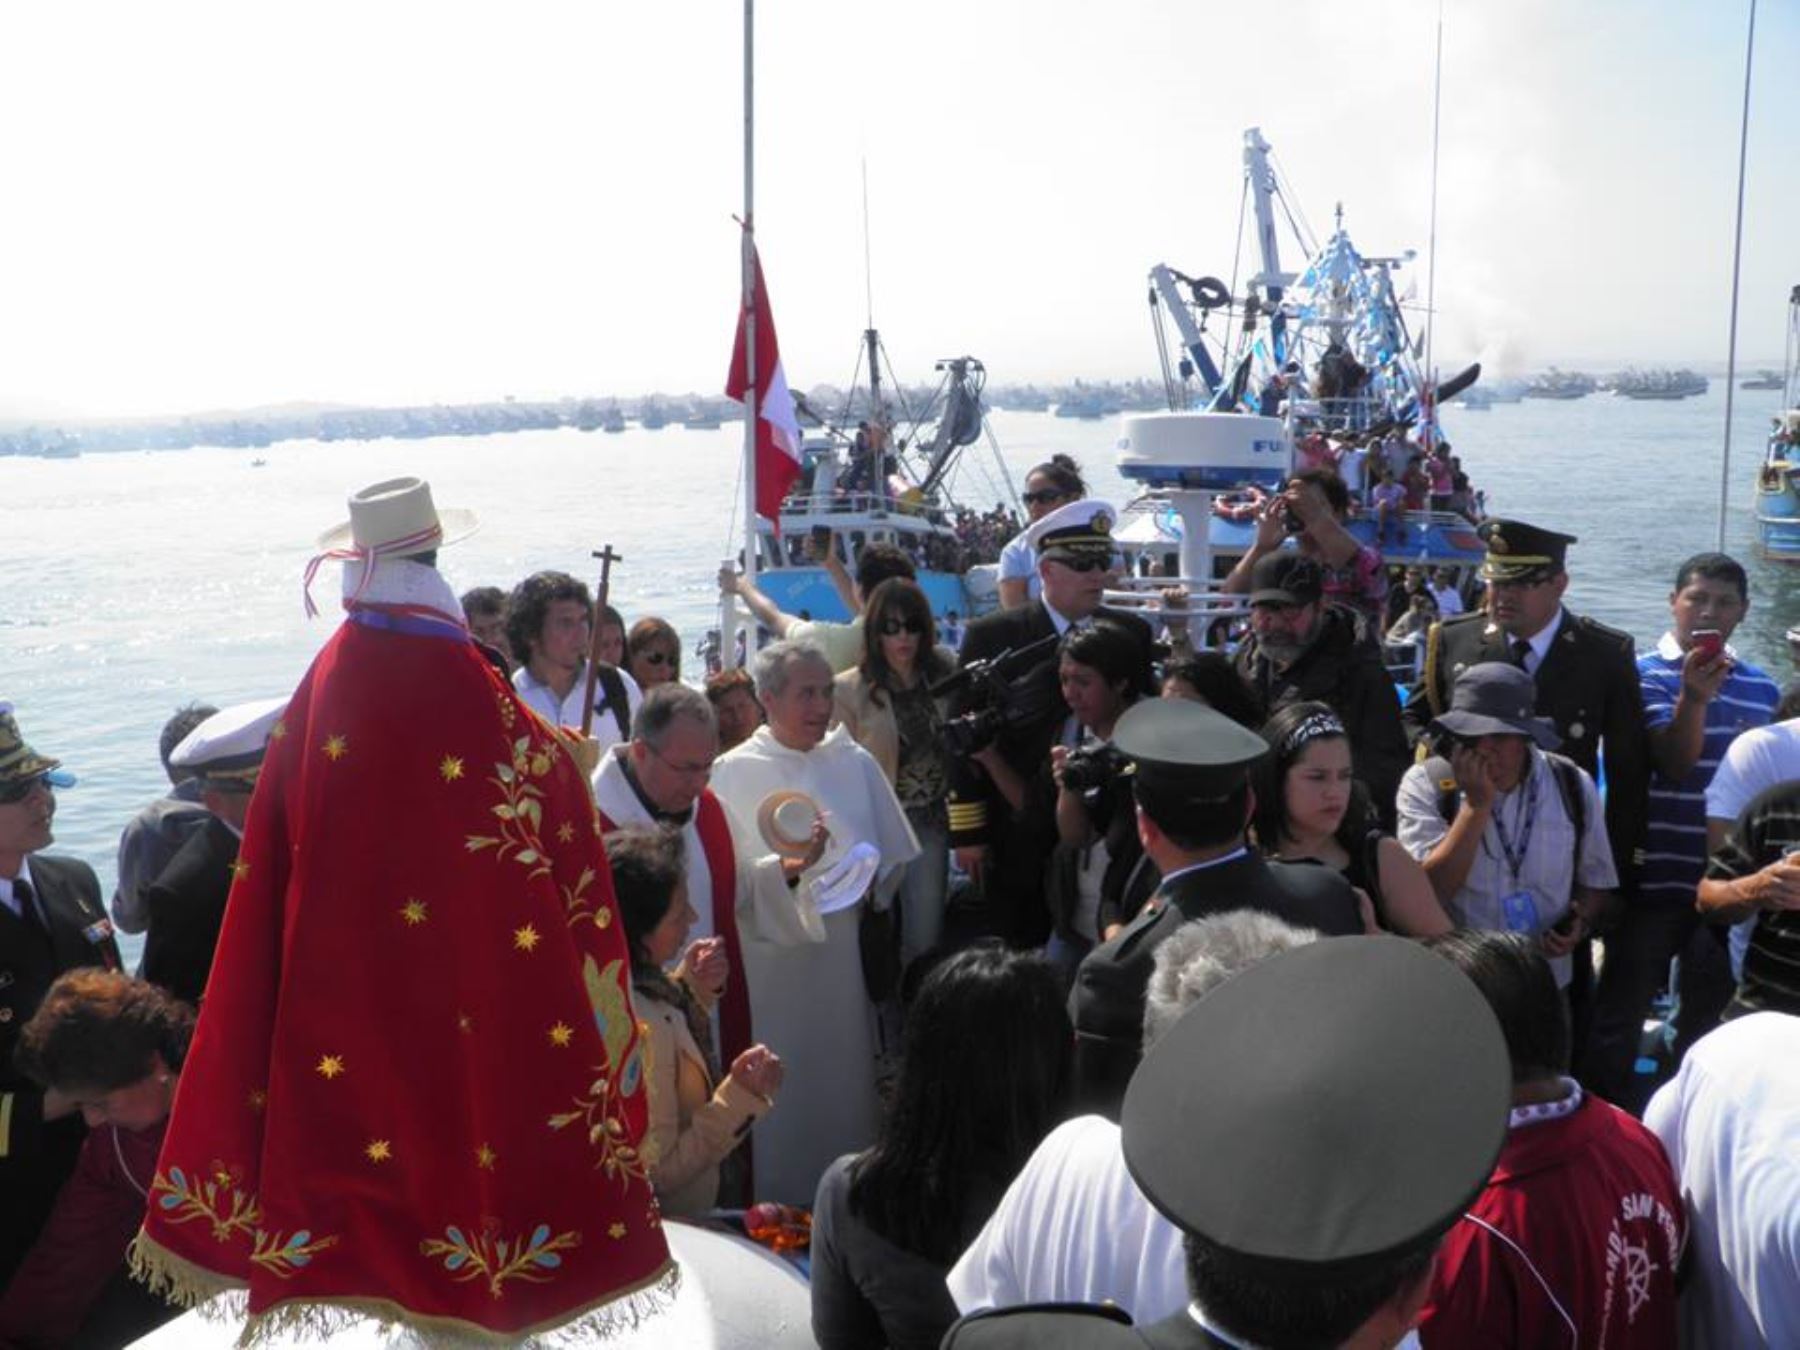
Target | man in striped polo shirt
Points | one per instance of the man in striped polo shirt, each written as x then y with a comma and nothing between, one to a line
1698,696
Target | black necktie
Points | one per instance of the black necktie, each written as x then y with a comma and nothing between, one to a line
1520,650
26,902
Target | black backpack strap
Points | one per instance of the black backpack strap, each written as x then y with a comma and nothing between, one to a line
615,698
1568,782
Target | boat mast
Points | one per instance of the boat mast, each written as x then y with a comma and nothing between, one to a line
747,301
1272,279
1737,256
1428,386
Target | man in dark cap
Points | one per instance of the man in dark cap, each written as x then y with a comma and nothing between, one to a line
1587,685
1314,1126
996,841
1191,785
1302,649
51,920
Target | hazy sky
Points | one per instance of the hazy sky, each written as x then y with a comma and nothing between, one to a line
215,205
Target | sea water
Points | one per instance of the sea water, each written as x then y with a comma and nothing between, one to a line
133,583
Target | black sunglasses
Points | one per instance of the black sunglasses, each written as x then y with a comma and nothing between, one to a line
1084,564
895,627
660,658
14,793
1042,495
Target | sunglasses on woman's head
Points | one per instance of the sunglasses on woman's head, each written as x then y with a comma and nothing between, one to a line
895,627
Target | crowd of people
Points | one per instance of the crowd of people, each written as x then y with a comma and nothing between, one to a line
1219,998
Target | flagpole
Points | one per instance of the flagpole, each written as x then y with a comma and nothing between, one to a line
748,267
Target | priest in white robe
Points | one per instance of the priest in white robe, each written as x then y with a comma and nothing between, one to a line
801,894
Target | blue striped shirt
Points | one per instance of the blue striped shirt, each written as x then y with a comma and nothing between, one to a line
1675,843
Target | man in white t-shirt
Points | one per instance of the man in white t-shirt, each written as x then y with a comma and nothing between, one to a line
1730,1123
1040,1244
548,622
1757,760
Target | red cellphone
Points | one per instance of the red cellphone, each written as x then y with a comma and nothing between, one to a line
1709,642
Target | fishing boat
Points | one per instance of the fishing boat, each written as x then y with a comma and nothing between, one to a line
1661,385
1326,349
1778,477
1562,385
1763,379
891,476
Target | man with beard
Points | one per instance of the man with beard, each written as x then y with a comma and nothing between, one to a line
1303,649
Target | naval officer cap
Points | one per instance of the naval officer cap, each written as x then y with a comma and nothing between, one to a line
1187,747
1330,1110
226,750
1082,529
1520,552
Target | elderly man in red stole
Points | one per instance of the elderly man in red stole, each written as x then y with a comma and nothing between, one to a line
659,778
415,1089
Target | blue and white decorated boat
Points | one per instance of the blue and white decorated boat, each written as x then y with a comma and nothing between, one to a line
1777,488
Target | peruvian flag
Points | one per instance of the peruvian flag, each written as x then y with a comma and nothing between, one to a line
777,429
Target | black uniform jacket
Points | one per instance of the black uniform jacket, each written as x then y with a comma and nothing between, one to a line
1587,684
1107,1003
1075,1326
187,907
36,1157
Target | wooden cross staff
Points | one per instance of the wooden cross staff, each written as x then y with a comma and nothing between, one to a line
607,558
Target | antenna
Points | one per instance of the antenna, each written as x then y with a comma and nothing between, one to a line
1437,98
868,270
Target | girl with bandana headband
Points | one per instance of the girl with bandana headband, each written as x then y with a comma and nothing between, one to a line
1309,806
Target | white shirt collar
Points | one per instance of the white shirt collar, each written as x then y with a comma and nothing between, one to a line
1063,622
1670,650
7,895
1540,641
397,581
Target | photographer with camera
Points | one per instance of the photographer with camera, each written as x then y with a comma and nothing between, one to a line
1511,835
1007,709
1096,829
1312,509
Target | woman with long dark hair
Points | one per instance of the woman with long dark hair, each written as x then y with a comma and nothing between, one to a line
1053,484
1099,670
981,1082
653,652
885,703
1309,806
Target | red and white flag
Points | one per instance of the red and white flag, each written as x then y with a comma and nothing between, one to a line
777,428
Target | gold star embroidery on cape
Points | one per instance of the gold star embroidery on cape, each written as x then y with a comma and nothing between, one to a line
603,918
616,1231
484,1158
335,748
330,1066
465,1023
413,911
526,938
451,768
239,869
378,1151
277,731
562,1035
257,1099
566,832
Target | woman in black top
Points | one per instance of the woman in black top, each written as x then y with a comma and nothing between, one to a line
981,1083
1309,807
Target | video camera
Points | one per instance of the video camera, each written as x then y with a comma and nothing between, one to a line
1012,689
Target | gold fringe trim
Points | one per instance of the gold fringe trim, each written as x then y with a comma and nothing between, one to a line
219,1299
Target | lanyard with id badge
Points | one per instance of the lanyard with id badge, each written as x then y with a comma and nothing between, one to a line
1518,910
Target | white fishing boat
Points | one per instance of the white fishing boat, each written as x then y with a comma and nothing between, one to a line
1778,477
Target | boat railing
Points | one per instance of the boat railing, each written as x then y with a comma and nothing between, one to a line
876,504
1206,612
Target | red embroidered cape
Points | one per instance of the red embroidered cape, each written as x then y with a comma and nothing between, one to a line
415,1088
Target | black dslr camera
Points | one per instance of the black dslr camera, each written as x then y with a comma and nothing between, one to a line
1090,770
1010,690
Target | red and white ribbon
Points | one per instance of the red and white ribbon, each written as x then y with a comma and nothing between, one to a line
368,557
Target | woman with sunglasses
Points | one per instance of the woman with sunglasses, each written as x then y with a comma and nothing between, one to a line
1310,808
885,701
653,653
1054,483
